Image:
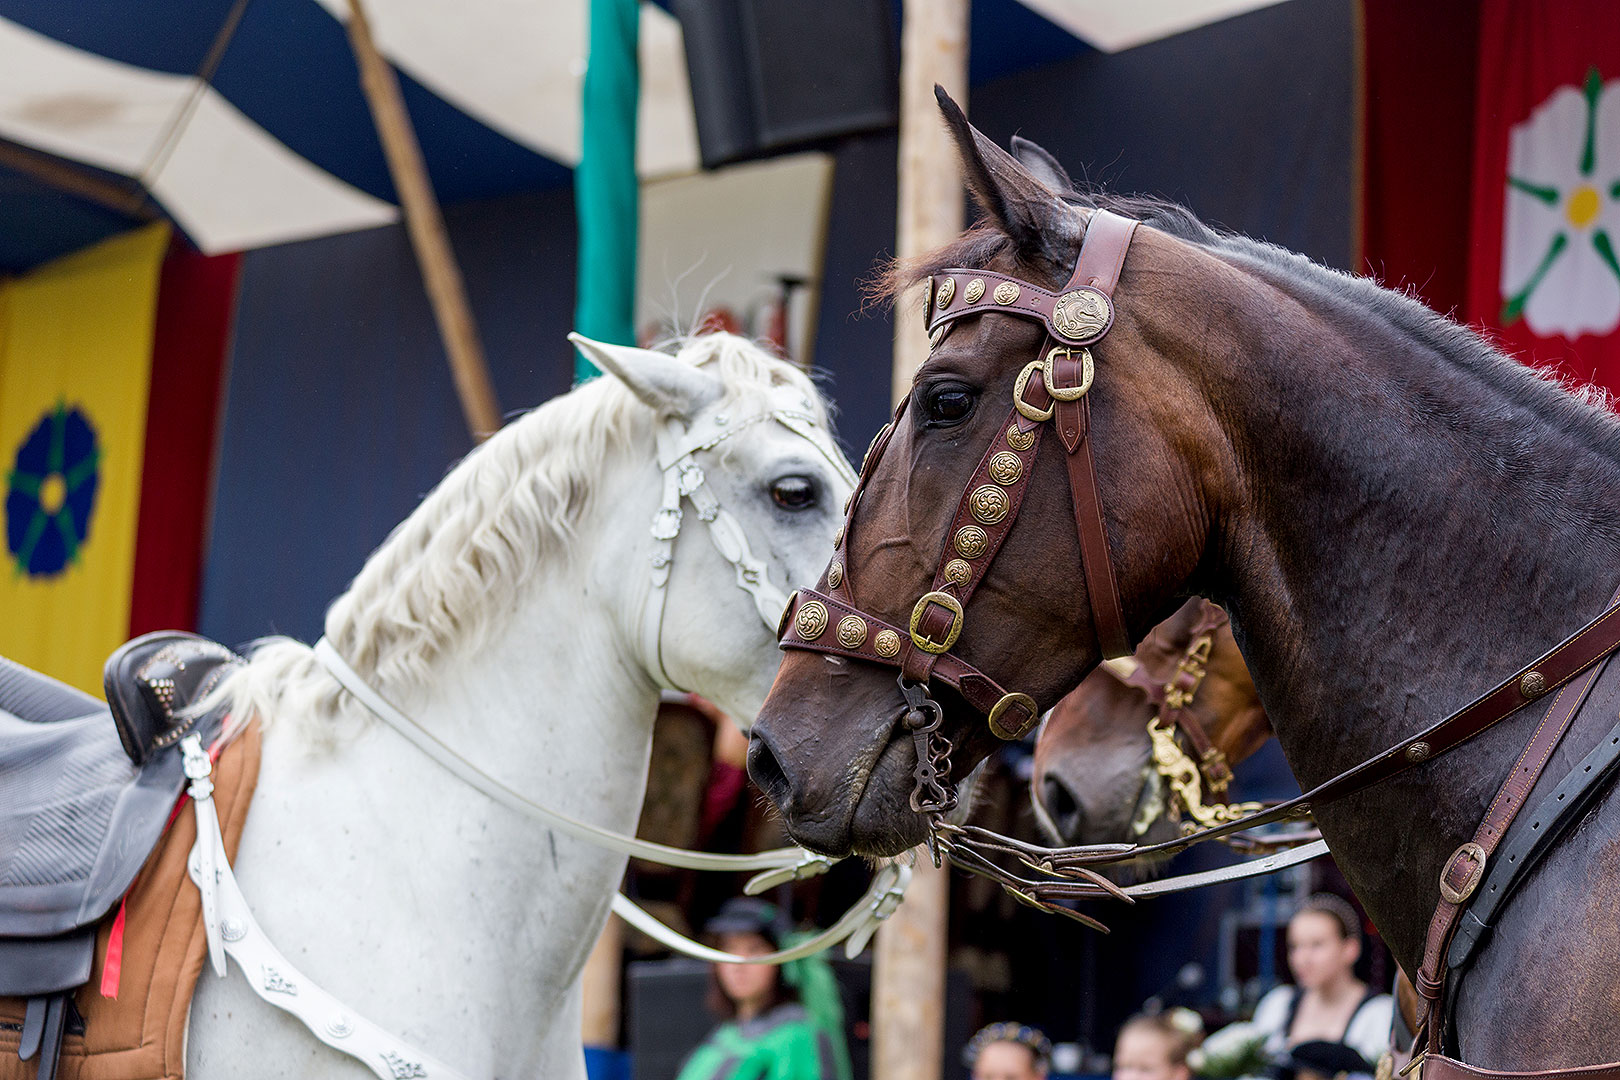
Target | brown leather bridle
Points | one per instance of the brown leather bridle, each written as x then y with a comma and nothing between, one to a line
1051,389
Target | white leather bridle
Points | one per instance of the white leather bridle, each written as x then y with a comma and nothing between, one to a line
684,479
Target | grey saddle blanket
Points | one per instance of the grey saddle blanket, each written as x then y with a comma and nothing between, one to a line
77,817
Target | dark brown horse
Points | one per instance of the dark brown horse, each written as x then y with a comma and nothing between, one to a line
1095,779
1395,515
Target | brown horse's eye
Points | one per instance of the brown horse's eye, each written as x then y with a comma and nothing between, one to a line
794,493
946,404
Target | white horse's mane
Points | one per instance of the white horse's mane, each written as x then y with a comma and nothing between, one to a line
444,575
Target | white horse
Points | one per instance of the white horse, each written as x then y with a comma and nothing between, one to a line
514,615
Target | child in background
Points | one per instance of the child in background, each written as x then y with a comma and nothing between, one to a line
1156,1047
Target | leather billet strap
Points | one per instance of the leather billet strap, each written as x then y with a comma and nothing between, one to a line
1053,387
1463,871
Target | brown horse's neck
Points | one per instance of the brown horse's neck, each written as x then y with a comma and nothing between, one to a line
1413,517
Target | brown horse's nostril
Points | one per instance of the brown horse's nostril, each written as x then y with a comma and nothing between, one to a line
766,771
1063,808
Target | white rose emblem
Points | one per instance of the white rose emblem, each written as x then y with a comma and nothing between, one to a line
1559,267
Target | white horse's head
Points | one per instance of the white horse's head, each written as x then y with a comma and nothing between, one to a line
654,520
750,490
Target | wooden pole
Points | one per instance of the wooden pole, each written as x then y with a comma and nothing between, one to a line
599,1025
908,978
933,49
425,224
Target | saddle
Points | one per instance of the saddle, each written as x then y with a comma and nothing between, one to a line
87,793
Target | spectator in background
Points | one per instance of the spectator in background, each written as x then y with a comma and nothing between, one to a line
1328,1004
782,1023
1156,1047
1008,1051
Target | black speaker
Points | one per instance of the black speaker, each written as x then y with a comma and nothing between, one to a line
769,76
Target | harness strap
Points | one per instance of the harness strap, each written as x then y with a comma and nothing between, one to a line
1465,868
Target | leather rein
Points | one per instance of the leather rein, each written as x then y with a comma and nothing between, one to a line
1053,389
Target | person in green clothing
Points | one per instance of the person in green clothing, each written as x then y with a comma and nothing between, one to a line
782,1023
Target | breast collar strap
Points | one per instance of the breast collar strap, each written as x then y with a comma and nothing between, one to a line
1053,388
684,479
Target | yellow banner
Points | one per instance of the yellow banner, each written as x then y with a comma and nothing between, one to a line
75,363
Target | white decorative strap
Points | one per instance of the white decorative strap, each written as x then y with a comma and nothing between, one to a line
804,863
230,921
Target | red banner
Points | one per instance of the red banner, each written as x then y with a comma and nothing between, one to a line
1545,272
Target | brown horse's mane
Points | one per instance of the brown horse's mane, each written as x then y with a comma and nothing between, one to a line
1581,409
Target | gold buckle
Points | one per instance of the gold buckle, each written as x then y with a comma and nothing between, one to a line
949,603
999,709
1476,855
1067,393
1031,412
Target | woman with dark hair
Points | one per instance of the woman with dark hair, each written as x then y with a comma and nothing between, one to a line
1328,1003
778,1023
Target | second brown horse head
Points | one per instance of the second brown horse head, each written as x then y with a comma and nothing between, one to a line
1095,779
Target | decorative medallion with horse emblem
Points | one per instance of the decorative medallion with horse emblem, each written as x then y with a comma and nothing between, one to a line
1082,315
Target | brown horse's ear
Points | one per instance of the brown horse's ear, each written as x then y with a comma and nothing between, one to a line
1041,164
1028,211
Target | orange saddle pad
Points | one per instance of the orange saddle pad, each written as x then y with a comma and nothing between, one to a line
140,1035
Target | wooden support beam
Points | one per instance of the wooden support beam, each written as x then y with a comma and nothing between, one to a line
908,978
425,224
66,177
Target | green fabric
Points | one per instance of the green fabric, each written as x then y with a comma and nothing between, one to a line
606,196
785,1044
817,986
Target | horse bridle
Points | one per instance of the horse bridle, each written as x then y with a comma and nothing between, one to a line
1051,388
684,479
1204,770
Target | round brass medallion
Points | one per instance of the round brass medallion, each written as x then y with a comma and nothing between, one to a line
1533,685
988,504
1005,293
886,644
871,446
1020,440
851,631
957,572
838,540
1418,751
971,541
1006,468
811,620
1080,315
974,290
947,293
835,574
935,337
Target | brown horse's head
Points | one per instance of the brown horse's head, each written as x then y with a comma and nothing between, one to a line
828,747
1094,780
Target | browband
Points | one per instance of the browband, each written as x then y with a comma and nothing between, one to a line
1053,387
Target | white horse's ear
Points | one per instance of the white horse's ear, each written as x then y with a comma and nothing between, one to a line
671,387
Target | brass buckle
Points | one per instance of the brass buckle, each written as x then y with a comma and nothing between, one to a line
949,603
999,709
1067,393
1029,411
1476,855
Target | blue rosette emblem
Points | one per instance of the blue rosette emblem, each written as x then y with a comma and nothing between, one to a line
51,493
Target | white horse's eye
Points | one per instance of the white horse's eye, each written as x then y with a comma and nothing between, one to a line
794,492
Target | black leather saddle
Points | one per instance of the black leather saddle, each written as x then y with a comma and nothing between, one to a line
86,791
